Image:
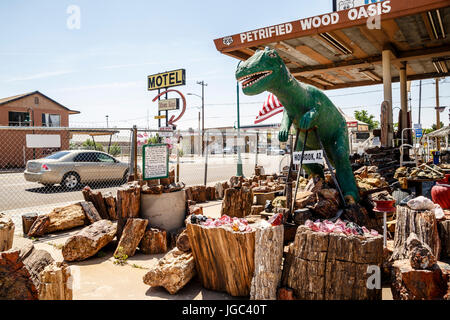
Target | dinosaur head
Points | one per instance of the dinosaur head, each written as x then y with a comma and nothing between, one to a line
260,72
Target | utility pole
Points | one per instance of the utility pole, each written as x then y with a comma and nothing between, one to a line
107,124
203,84
239,164
420,98
438,116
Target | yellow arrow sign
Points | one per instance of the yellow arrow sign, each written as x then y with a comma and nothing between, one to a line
160,117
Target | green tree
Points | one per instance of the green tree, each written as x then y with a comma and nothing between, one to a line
114,150
90,145
364,116
433,128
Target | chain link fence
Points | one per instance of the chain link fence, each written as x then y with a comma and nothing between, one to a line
42,168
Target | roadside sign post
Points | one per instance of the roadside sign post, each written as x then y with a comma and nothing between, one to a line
155,161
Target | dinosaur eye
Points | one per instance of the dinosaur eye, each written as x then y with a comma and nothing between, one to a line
272,54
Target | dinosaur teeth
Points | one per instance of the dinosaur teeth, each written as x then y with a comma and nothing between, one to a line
250,79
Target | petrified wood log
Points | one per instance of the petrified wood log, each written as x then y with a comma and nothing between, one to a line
66,218
19,272
90,211
210,193
128,205
96,198
89,240
154,241
110,203
224,260
27,221
6,232
237,202
132,234
444,235
219,190
410,284
333,266
55,283
268,258
257,209
423,224
183,242
39,226
420,255
173,271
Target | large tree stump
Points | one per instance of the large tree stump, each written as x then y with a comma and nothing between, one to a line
90,211
128,205
55,283
89,241
110,203
332,266
173,271
423,224
411,284
39,226
224,259
27,221
237,202
131,236
154,241
6,232
66,218
19,272
444,235
96,198
268,258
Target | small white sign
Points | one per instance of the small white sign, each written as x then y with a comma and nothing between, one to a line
43,141
312,156
156,161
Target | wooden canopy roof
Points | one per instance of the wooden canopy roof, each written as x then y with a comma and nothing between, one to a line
344,49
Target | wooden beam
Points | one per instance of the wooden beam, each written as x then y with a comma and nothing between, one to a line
357,51
411,55
313,54
394,79
393,31
311,82
426,21
294,53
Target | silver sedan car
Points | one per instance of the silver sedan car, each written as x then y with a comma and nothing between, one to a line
72,167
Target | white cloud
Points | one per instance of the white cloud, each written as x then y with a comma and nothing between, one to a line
40,75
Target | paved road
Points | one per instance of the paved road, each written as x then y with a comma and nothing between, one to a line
21,196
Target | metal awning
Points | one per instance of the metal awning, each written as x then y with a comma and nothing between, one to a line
344,49
441,133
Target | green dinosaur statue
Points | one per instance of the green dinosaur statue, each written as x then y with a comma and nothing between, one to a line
306,107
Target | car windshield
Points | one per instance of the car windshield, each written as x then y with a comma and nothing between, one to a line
57,155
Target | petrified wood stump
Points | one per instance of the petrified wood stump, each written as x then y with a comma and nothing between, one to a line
55,282
268,258
154,241
89,240
96,198
27,221
110,203
410,284
423,224
19,272
128,204
131,236
6,232
183,242
224,260
173,271
90,211
444,235
237,202
332,266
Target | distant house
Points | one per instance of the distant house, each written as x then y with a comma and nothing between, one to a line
32,109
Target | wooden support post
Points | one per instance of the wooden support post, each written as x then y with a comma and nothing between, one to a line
387,82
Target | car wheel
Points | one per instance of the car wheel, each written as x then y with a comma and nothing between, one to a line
70,180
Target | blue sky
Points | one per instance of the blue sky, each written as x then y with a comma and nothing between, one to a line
101,69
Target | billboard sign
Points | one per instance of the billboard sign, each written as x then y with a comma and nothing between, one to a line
339,5
167,79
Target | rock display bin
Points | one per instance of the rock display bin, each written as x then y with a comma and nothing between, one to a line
332,266
6,232
165,211
224,260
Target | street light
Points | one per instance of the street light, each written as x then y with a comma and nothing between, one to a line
203,84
